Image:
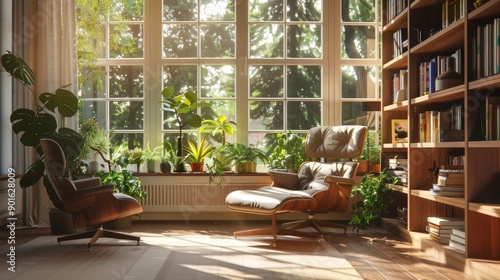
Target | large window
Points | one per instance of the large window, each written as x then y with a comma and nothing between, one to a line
269,65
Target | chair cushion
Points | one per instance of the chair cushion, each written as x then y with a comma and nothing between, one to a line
346,141
267,200
312,174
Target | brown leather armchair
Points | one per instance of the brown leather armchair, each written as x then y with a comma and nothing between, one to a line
318,187
90,203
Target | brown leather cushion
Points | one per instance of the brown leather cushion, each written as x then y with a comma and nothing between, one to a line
335,141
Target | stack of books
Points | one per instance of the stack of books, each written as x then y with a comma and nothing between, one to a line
457,239
450,182
441,228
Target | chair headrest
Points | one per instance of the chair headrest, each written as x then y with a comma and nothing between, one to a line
344,141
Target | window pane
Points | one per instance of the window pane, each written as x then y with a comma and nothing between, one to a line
304,81
266,81
126,81
260,140
134,140
358,42
266,40
180,40
95,110
266,115
92,82
180,10
183,78
126,115
218,40
216,10
359,82
304,41
265,10
218,81
126,41
359,11
300,10
126,11
303,115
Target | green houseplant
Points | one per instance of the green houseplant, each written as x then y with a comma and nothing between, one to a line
245,158
184,108
136,156
151,157
289,152
373,199
220,126
37,123
196,153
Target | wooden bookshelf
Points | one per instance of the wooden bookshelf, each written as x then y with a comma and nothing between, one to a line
480,206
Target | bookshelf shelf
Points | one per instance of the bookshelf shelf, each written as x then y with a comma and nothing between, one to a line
397,62
417,4
488,9
449,38
484,144
438,145
491,81
492,210
395,145
453,201
397,22
398,188
397,107
445,95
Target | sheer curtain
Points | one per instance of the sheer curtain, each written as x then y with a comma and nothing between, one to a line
44,36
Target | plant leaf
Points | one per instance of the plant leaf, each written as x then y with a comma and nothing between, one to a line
63,99
16,67
33,125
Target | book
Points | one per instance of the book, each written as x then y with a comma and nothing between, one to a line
449,221
458,232
440,232
448,188
457,239
432,69
449,194
440,239
456,245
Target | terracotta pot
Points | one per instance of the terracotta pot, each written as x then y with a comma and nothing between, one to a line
247,167
362,167
196,166
376,168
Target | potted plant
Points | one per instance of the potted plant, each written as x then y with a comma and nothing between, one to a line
373,199
244,157
289,152
184,107
151,157
136,156
196,153
221,125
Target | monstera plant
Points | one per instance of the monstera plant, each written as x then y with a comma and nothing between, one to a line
33,124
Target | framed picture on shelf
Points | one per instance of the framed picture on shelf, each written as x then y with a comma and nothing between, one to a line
399,131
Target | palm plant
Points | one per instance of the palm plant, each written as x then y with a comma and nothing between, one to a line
220,125
196,153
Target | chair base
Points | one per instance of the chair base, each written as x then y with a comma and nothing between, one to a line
96,234
316,224
275,232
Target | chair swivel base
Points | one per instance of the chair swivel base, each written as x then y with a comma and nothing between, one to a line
316,224
96,234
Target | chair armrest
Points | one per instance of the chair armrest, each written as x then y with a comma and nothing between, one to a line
87,182
331,179
94,190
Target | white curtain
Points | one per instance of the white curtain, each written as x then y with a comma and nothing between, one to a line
44,36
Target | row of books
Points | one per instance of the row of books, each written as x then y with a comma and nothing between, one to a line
492,117
429,71
452,11
486,50
394,8
399,85
400,42
440,229
441,126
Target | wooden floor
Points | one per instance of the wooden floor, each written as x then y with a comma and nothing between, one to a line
374,254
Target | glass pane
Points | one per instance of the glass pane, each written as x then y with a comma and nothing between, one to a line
304,81
134,140
126,41
216,10
304,10
353,114
95,110
358,42
183,78
359,82
260,140
304,41
126,81
303,115
266,81
180,40
266,115
218,81
266,40
265,10
92,82
126,11
126,115
359,11
180,10
218,40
